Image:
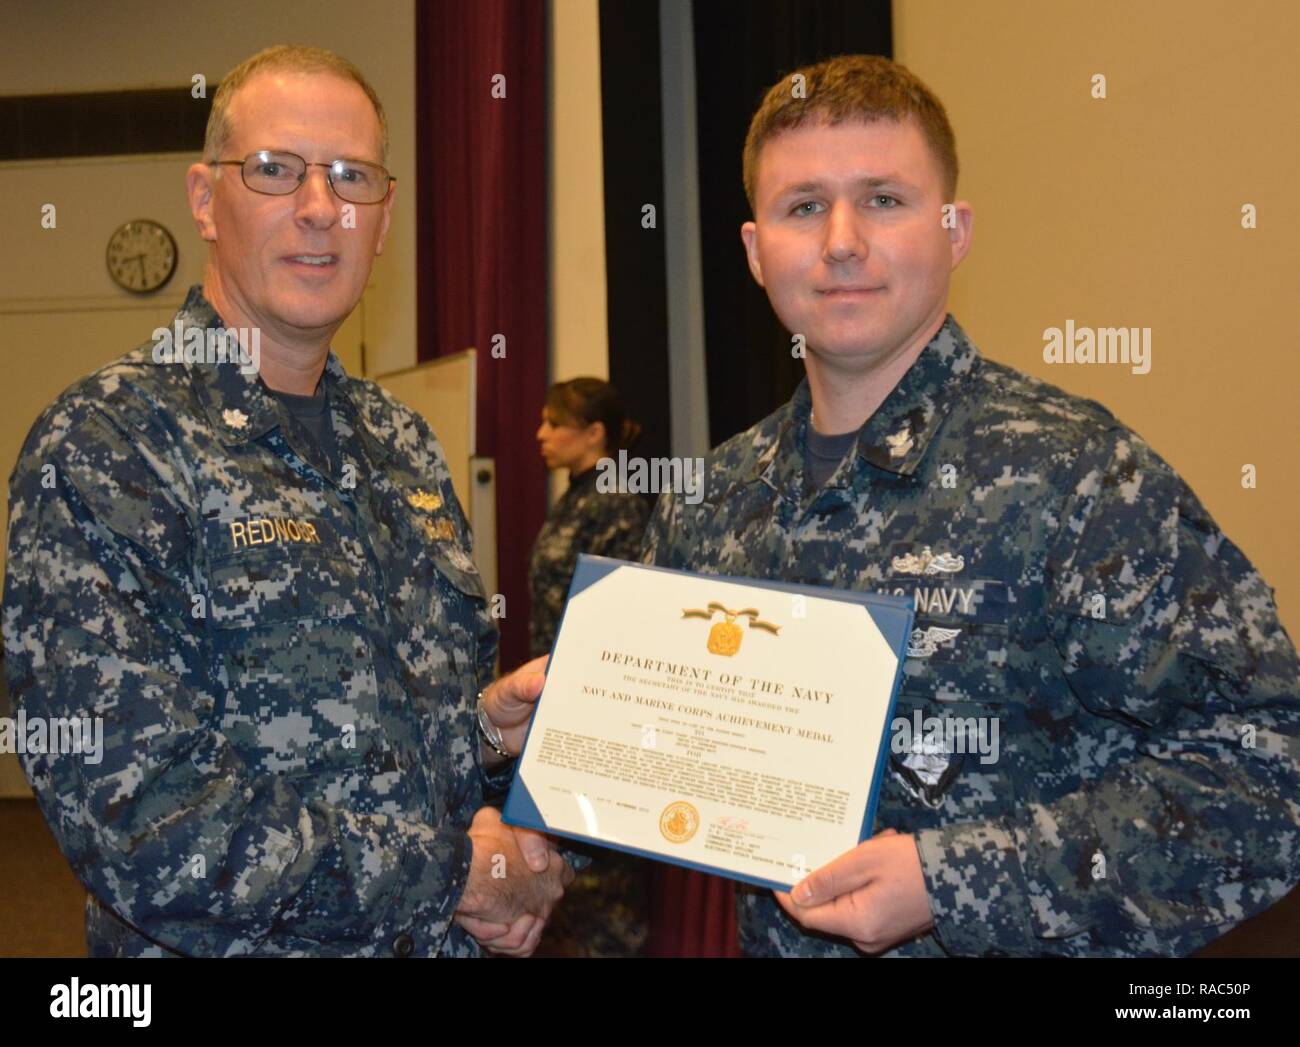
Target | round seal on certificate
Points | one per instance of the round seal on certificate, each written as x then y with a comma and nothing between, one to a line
679,822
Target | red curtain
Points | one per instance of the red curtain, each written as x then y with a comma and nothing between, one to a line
481,212
481,186
691,914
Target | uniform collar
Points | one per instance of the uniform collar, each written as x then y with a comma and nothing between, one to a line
239,405
896,437
580,481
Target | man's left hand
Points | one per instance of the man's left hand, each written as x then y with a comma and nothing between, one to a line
873,895
510,701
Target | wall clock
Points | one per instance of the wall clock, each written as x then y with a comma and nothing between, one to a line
141,256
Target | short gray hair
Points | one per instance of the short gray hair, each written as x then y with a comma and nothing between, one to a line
283,58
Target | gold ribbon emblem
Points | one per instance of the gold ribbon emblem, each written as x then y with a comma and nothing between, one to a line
725,637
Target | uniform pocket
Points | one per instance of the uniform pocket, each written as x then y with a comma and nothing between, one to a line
264,588
946,761
456,566
955,660
958,649
303,694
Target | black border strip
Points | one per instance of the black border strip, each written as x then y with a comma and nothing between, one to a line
103,123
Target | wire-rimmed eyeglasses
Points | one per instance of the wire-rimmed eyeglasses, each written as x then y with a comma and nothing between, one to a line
279,174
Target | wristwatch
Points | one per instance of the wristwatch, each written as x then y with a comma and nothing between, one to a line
490,732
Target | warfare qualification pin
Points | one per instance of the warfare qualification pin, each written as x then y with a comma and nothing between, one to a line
439,530
422,499
929,563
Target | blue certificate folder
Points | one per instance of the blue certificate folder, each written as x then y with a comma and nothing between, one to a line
892,615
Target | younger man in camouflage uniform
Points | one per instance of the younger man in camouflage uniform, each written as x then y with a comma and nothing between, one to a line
1069,586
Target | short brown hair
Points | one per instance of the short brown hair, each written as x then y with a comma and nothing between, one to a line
851,87
292,58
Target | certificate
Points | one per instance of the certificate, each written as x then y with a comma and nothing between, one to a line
729,725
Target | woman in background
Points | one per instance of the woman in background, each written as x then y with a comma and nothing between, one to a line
583,422
605,909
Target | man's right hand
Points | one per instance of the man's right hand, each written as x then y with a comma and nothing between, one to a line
508,898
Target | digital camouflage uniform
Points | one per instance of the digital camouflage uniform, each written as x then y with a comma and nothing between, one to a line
605,909
1068,583
285,652
584,520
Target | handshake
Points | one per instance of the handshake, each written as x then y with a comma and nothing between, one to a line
516,877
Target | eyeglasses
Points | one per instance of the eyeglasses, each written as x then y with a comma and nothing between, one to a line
279,174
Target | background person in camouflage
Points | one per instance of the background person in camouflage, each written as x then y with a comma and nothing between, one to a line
1067,583
577,422
606,907
277,619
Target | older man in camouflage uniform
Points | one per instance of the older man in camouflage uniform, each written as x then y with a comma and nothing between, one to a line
1070,589
263,587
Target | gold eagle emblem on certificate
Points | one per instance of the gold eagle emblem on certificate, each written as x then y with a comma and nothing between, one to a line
725,636
679,822
423,500
929,563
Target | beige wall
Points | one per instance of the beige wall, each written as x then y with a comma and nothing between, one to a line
579,332
1127,212
579,329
